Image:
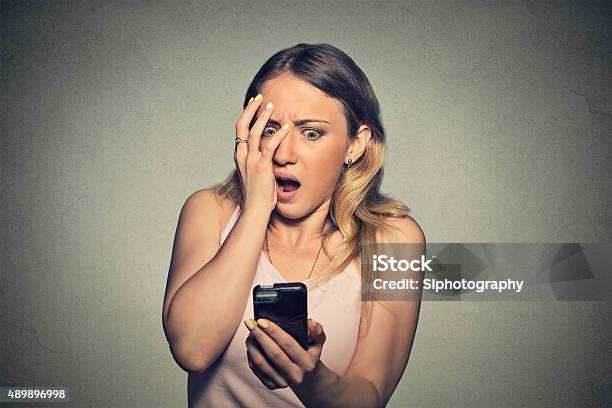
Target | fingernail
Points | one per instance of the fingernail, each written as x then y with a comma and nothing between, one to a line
251,100
250,324
285,126
262,323
269,106
258,97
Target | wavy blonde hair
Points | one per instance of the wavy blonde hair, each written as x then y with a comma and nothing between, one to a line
358,210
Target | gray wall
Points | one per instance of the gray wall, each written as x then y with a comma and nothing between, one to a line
498,117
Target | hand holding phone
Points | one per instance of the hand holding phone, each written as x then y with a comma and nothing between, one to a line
286,305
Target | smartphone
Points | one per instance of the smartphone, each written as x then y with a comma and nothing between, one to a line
286,305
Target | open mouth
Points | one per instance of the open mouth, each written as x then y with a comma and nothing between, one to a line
287,184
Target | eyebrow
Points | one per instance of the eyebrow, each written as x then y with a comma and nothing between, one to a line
300,122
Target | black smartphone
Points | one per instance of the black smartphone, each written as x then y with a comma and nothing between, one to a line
286,305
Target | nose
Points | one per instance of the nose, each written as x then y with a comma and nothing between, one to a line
285,151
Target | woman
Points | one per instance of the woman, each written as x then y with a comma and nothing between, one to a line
304,198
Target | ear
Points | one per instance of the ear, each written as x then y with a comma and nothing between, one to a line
358,143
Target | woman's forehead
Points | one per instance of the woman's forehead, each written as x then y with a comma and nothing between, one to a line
296,98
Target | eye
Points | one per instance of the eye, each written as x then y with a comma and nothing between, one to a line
313,134
265,131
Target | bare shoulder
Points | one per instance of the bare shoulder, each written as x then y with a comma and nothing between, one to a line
401,230
206,201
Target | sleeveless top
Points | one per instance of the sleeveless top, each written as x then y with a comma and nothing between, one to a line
229,381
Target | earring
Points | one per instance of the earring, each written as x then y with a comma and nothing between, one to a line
347,165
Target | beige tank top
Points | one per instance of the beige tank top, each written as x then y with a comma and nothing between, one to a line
229,382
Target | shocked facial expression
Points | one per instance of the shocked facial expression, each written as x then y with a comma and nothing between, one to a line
314,151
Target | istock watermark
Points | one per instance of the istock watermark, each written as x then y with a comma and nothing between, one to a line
384,263
492,271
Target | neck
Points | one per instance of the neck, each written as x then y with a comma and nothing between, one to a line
302,232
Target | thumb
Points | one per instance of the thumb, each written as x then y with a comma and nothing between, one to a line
316,334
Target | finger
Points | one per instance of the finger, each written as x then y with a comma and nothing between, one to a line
270,147
240,154
312,326
260,364
287,343
242,132
275,354
243,122
315,329
316,336
256,130
263,377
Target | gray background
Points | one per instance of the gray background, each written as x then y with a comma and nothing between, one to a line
498,117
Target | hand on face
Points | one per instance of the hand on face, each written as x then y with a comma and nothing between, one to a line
276,358
255,166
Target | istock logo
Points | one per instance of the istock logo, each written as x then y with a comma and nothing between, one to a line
384,263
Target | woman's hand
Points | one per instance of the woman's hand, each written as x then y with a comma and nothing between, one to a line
255,166
276,358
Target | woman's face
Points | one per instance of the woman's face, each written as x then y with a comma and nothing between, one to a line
316,147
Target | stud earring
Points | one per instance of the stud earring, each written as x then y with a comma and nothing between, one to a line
347,165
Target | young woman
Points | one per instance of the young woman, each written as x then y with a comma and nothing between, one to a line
301,203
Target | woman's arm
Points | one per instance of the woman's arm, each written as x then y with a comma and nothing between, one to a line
381,354
377,366
208,285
